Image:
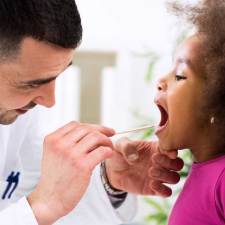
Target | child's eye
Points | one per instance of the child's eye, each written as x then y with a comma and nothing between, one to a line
179,77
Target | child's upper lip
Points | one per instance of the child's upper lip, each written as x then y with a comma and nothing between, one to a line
159,101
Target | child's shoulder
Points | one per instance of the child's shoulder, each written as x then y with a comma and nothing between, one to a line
216,165
219,164
220,194
210,173
209,181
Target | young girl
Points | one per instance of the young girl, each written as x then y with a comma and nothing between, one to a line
191,98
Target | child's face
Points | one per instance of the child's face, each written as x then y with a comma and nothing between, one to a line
179,99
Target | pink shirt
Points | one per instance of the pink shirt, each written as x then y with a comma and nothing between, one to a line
202,200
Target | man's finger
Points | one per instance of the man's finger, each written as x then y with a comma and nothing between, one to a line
167,163
98,155
127,148
66,129
91,142
105,130
160,189
164,175
83,130
171,154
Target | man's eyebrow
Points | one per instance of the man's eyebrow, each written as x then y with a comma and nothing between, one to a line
42,81
39,81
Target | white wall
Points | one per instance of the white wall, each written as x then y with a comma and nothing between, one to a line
128,27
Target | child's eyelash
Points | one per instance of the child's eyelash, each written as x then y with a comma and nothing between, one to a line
180,77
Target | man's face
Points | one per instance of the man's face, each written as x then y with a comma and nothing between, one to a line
29,79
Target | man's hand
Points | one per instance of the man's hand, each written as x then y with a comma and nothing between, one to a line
70,155
138,167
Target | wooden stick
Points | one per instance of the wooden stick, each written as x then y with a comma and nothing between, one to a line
135,129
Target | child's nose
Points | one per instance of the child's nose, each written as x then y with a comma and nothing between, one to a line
162,86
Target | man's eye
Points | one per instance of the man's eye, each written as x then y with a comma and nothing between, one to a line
179,77
30,86
34,85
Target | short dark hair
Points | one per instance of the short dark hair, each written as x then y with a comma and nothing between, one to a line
52,21
208,18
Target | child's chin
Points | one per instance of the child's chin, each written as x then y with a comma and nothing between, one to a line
166,147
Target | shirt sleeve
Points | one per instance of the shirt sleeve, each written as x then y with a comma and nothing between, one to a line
95,207
19,213
126,212
220,196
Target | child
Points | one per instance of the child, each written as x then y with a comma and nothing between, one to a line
191,98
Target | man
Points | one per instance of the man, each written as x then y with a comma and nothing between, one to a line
37,42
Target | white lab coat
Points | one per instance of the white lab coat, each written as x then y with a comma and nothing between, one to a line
20,153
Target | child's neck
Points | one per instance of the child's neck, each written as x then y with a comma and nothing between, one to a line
206,146
206,151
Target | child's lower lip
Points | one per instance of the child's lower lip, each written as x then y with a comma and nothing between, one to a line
159,129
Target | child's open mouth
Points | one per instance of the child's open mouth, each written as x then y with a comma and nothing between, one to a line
164,119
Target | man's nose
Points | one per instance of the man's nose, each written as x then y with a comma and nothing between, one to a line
46,95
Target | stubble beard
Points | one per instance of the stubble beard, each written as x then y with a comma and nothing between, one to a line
7,117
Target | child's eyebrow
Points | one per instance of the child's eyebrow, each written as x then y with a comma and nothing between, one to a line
188,62
183,60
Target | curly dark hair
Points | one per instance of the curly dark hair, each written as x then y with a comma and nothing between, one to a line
208,17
